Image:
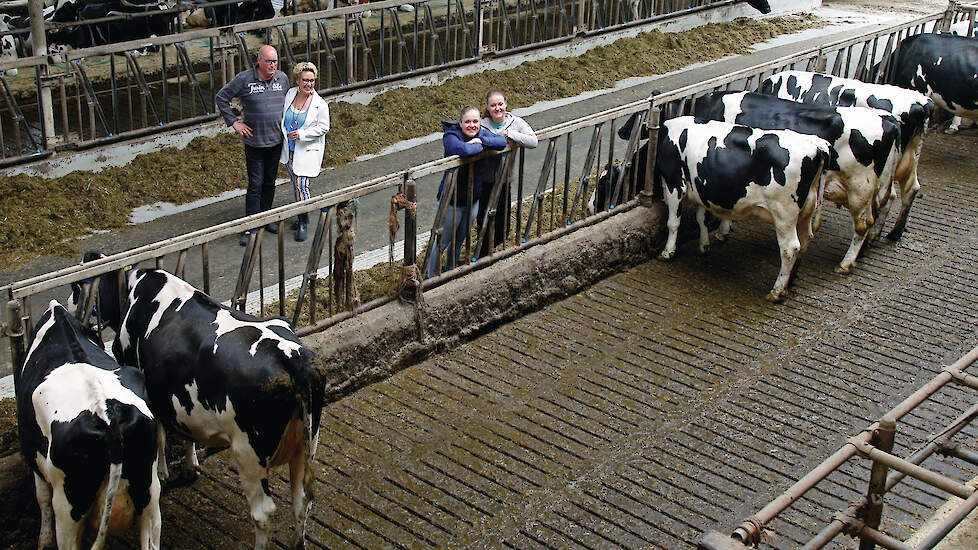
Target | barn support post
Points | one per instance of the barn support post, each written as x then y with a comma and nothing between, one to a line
652,123
15,331
883,437
40,43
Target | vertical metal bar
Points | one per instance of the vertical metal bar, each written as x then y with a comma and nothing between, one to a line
348,53
166,103
281,268
883,437
205,268
567,167
537,203
181,264
410,224
519,194
652,123
18,336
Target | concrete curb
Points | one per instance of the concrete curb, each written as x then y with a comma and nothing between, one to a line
377,344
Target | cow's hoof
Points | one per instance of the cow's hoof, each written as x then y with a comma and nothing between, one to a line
842,269
775,297
951,131
895,235
667,256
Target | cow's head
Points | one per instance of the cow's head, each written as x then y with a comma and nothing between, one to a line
106,307
762,6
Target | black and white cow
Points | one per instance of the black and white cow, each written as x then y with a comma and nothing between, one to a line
222,378
88,436
736,172
911,108
944,67
865,149
8,46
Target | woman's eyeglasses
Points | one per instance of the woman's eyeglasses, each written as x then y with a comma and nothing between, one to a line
308,79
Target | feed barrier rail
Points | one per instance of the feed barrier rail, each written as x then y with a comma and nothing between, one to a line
550,188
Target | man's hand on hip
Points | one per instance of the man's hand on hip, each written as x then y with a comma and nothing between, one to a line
242,128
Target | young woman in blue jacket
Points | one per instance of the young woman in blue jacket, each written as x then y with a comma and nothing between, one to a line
464,138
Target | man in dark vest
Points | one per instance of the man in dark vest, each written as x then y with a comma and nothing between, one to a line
262,94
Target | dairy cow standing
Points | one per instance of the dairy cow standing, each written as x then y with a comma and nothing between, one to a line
944,67
222,378
911,108
88,436
736,172
865,149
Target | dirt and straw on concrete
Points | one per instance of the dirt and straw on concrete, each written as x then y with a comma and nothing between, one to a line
47,216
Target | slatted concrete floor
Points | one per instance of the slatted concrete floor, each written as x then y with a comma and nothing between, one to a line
662,402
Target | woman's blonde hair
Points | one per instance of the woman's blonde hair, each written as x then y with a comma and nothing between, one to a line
303,67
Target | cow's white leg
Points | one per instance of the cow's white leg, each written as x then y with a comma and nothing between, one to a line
704,231
860,205
883,201
42,490
190,463
254,479
908,192
790,248
302,479
909,185
723,231
954,126
673,201
150,522
67,530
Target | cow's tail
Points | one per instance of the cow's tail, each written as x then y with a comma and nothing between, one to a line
310,384
115,477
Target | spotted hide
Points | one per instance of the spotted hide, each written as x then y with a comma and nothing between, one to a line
911,108
222,378
944,67
88,436
865,150
8,45
737,173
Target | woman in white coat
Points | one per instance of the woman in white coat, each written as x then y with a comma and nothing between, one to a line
305,121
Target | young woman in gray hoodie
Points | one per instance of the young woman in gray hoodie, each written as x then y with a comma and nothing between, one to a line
499,121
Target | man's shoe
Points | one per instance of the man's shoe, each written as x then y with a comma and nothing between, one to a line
300,232
272,228
243,241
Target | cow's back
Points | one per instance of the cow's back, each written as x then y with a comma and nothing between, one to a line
247,374
941,66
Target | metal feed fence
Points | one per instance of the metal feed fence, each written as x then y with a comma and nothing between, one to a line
551,186
129,89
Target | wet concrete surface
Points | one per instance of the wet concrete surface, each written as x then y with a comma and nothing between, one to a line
662,402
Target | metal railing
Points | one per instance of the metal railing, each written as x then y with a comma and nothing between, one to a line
551,185
862,518
128,89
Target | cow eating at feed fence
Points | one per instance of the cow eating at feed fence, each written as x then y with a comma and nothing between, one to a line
865,150
911,108
87,435
944,67
736,172
223,379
